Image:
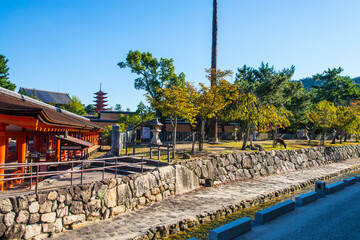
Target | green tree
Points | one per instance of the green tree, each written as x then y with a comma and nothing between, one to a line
4,75
176,102
340,90
76,106
298,103
118,107
323,116
90,109
153,74
265,82
141,115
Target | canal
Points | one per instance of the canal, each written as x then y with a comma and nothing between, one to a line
201,232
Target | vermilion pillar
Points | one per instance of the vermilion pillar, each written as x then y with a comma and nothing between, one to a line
21,142
2,159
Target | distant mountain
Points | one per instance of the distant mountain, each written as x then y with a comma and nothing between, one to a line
309,82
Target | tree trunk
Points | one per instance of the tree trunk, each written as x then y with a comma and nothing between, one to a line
334,138
202,135
245,137
274,137
323,137
341,137
345,137
311,136
193,142
213,121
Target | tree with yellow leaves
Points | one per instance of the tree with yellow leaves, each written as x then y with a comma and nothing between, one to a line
273,118
342,122
354,126
210,101
322,116
176,102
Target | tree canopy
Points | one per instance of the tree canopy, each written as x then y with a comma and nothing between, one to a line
341,90
4,75
76,106
265,82
153,74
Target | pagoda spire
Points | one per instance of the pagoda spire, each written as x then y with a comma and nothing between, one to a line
100,100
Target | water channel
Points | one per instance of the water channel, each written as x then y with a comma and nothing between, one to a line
201,232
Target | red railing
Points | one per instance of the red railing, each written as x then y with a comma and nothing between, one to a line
35,171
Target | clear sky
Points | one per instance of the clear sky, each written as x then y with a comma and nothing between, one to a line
72,46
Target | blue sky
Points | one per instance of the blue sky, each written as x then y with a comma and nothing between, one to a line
72,46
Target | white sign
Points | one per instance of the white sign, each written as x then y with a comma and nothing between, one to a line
145,133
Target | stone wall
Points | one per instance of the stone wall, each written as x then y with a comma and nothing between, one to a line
43,214
238,166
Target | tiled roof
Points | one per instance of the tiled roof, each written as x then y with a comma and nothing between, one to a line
47,96
15,104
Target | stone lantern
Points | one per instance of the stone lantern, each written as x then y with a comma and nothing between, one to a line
156,130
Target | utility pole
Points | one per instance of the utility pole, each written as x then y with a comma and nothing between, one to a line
213,122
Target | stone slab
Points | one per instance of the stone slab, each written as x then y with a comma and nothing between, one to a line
306,198
231,230
273,212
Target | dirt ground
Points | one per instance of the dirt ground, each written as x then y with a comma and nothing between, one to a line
225,147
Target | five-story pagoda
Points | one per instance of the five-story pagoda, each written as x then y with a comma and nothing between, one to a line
100,101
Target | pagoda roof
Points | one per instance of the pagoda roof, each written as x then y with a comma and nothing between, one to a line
100,93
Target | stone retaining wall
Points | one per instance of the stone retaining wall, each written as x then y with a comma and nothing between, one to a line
53,211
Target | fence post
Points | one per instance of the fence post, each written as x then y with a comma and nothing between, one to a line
31,176
168,153
72,170
150,151
82,171
133,143
142,164
158,151
37,178
103,173
116,161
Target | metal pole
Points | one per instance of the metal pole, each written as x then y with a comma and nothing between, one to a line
116,161
133,148
31,169
103,173
82,171
37,178
72,169
158,151
126,149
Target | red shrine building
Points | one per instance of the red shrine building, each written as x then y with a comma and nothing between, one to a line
33,131
100,100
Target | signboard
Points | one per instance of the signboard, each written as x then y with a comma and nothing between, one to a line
71,148
145,133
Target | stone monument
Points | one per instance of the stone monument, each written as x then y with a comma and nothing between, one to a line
156,130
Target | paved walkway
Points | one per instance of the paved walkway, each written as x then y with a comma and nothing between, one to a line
334,217
172,210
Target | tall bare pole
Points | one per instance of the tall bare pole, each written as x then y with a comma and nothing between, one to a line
213,122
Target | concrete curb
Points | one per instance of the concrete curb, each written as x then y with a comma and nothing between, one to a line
306,198
335,187
350,181
231,230
273,212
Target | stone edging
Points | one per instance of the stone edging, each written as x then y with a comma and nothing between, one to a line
167,230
